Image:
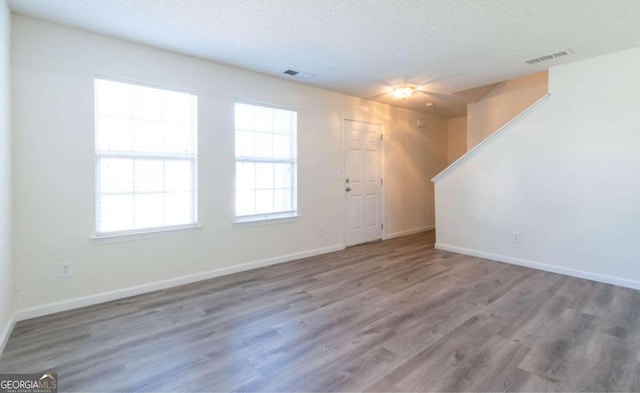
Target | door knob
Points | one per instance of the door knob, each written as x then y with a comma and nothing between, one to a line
348,189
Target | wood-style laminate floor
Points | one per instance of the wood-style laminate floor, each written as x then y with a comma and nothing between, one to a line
388,316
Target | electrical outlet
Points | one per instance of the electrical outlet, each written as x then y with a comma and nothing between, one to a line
65,269
320,230
516,237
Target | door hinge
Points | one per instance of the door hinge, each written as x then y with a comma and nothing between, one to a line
381,182
381,226
381,136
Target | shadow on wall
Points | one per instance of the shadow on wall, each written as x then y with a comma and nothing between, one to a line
406,174
456,138
503,103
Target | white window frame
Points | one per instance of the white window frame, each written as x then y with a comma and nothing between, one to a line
150,232
265,218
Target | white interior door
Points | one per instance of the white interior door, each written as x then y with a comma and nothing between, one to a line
363,181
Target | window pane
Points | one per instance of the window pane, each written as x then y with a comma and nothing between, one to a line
264,176
264,201
245,176
282,200
263,145
179,108
148,103
244,117
114,98
148,136
263,119
282,146
178,138
149,176
137,180
282,176
264,138
178,176
115,213
145,167
244,144
149,210
115,175
282,123
178,208
114,133
245,203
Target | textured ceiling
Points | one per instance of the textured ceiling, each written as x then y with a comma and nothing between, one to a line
362,47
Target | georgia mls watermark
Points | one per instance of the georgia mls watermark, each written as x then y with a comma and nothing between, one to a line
29,383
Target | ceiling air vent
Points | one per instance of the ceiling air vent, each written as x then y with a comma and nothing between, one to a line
547,57
298,74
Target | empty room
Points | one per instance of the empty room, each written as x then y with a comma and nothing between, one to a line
319,196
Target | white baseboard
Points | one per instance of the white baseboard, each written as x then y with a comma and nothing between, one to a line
408,232
6,332
51,308
621,282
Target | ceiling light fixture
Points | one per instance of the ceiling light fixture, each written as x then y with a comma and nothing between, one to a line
403,92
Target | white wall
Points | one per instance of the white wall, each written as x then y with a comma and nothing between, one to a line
53,71
566,177
456,138
6,287
501,104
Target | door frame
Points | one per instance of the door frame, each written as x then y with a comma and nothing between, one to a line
343,118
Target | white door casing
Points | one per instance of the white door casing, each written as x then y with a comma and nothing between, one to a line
363,181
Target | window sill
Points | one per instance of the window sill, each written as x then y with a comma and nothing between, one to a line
151,233
265,220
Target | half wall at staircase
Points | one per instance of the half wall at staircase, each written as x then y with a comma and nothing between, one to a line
558,189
